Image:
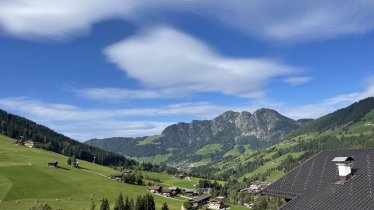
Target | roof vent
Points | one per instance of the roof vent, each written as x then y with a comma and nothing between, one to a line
344,167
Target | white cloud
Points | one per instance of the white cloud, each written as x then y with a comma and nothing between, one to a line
175,64
297,80
288,20
82,123
120,94
58,19
326,106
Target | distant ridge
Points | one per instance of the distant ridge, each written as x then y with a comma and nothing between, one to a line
339,118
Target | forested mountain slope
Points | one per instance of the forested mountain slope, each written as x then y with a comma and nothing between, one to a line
16,127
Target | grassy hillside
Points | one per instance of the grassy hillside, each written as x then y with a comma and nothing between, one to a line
209,149
27,181
23,186
339,119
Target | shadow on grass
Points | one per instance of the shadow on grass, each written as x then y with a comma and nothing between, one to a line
63,168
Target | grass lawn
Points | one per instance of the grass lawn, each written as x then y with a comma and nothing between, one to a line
156,159
269,155
149,140
275,175
169,180
267,165
23,186
209,149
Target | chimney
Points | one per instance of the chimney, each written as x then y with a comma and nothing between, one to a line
344,167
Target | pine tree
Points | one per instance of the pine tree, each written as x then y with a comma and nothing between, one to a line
139,204
165,207
119,205
128,205
132,205
149,202
104,204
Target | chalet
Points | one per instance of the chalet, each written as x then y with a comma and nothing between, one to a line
171,191
117,176
175,190
216,203
249,205
33,144
197,201
52,164
167,192
180,176
255,187
334,179
155,189
189,193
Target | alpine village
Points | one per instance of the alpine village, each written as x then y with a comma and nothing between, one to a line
235,161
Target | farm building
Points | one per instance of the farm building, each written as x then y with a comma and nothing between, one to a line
155,189
335,179
167,192
189,193
33,144
52,164
180,176
197,201
216,203
117,176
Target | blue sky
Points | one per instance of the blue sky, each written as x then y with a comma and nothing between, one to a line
95,68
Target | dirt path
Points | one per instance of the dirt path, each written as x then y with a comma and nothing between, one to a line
94,172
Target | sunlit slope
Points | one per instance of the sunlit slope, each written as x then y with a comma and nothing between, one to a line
26,181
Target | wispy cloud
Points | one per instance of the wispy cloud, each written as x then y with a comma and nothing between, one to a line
187,67
289,20
82,123
297,80
121,94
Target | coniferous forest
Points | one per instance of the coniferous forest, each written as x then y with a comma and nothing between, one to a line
23,129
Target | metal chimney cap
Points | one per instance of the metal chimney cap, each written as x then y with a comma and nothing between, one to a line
342,159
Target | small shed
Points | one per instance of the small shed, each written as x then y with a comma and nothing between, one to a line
180,176
155,189
117,176
189,193
33,144
53,164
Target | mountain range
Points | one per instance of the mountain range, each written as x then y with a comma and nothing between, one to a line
233,134
201,139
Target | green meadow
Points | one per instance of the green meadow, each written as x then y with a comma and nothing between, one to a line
27,181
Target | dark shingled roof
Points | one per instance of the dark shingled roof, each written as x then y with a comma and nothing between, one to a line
313,184
201,198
